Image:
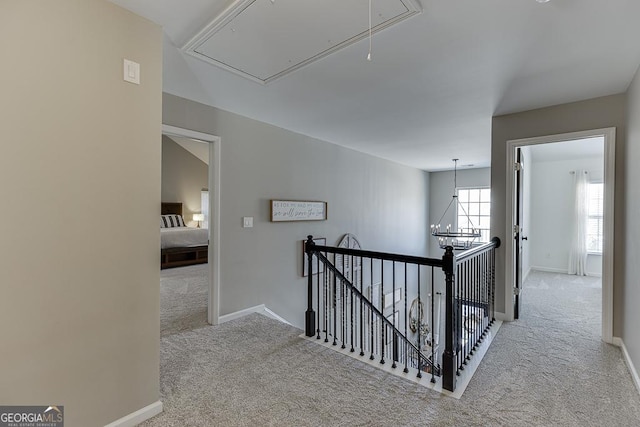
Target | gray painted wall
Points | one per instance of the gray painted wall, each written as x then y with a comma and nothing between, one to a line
596,113
80,167
183,178
630,332
383,203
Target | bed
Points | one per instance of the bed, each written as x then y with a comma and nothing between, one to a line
180,245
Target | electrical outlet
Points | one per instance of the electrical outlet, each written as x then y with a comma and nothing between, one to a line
247,222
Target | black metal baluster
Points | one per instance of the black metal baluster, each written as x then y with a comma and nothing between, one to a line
318,305
393,317
326,305
335,311
351,312
471,308
469,264
419,375
353,273
478,306
406,320
474,298
462,298
485,299
433,331
361,307
371,311
382,324
488,288
343,299
482,297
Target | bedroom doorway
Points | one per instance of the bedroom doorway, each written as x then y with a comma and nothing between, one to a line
213,141
516,233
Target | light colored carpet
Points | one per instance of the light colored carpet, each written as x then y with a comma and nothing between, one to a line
548,369
183,298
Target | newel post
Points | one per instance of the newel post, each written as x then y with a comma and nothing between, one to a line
310,315
449,355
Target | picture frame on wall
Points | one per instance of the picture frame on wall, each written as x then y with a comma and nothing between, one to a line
305,262
298,210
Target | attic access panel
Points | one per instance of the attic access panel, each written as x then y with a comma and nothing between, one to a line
263,40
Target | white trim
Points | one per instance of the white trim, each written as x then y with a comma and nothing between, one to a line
261,309
525,276
550,270
609,135
188,133
560,271
627,359
274,315
213,312
236,7
214,236
608,233
135,418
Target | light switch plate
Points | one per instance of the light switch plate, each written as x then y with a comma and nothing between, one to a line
247,222
131,72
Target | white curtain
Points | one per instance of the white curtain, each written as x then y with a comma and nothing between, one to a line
578,252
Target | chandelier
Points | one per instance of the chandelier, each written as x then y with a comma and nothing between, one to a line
461,238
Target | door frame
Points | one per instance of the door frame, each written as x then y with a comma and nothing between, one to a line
518,215
213,303
609,135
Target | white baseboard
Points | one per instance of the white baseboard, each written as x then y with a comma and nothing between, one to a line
627,359
560,271
524,278
135,418
550,270
275,316
262,309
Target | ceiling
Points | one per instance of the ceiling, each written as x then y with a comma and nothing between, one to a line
434,81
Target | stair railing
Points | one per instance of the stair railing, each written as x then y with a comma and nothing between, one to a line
356,316
361,304
470,305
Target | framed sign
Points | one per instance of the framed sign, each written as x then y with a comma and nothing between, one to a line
298,210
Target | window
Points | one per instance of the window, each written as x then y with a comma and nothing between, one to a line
474,210
595,200
204,207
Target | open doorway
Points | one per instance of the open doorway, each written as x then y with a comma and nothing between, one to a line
211,222
541,190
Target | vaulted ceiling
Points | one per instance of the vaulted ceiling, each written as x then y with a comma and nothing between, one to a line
434,81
